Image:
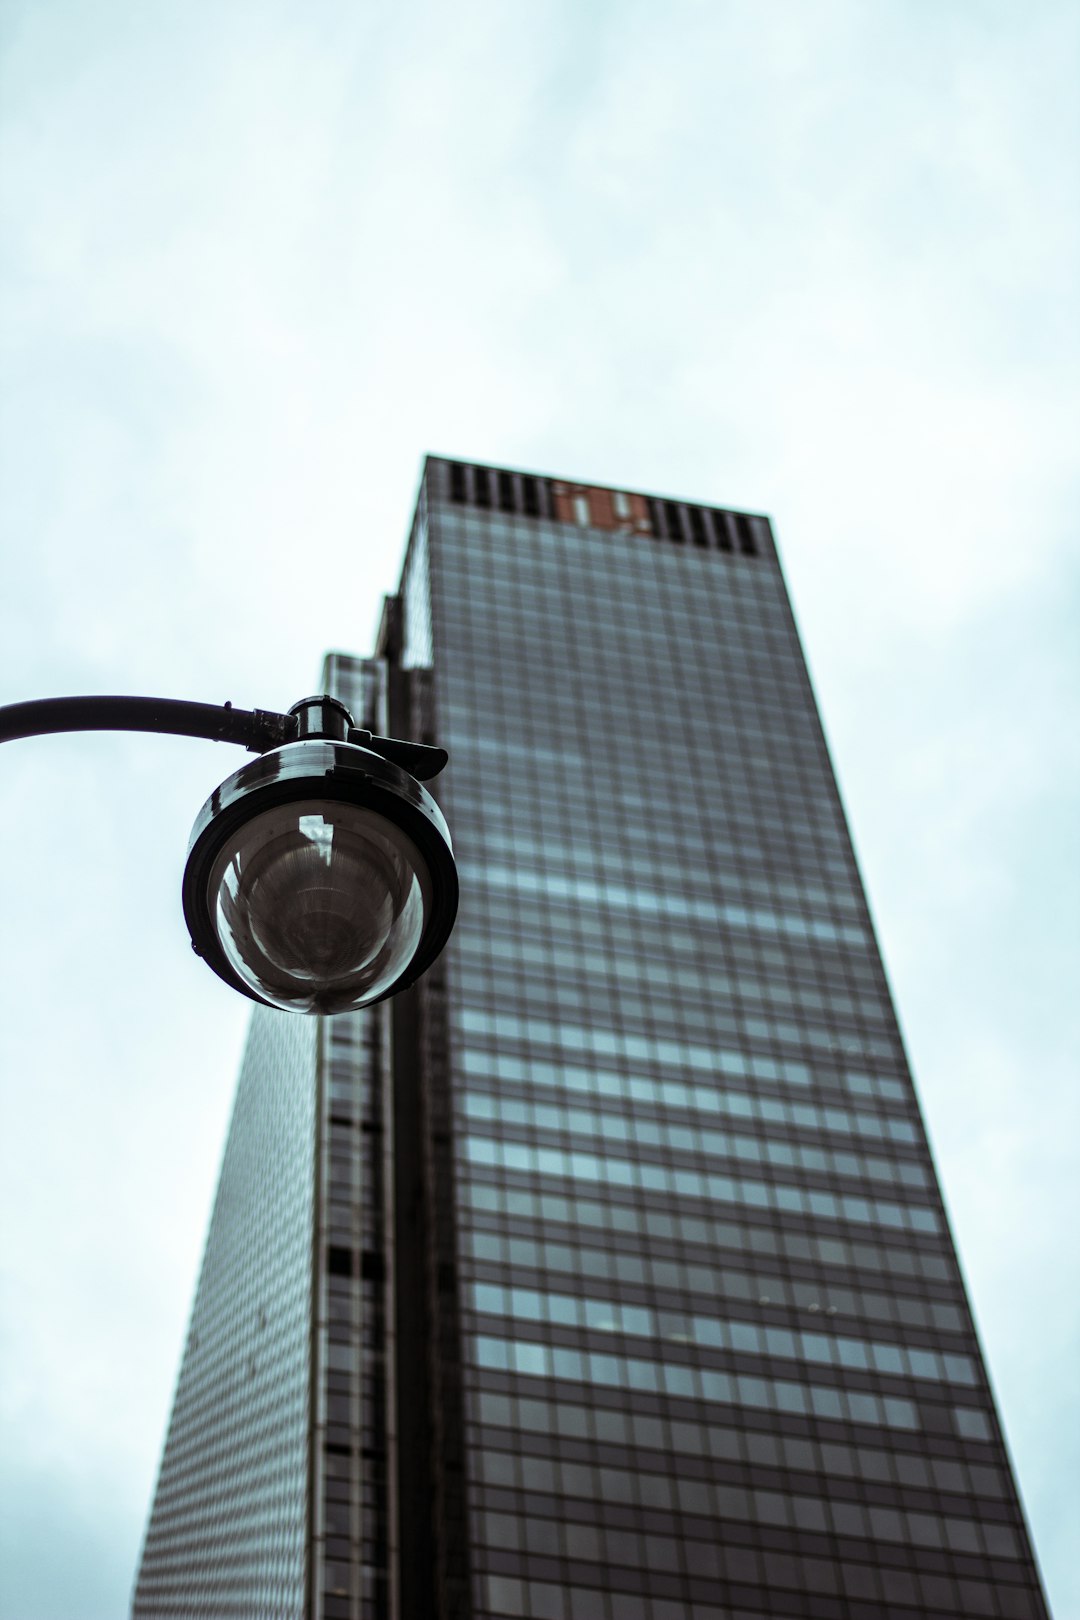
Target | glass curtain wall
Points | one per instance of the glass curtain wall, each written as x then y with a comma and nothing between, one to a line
717,1357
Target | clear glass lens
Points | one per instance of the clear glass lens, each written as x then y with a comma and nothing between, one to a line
319,907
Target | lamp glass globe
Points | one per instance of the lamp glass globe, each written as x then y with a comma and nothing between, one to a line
319,906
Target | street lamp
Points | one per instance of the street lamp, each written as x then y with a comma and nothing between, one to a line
320,877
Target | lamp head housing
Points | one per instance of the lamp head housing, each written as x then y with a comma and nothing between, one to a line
320,877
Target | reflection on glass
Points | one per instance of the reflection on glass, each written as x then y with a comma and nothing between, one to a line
320,908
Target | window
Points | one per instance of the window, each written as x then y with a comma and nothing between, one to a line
720,531
747,542
672,522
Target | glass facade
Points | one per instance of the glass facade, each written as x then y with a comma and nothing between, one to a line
718,1359
227,1533
633,1296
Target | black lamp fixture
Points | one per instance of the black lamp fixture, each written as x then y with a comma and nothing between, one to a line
320,877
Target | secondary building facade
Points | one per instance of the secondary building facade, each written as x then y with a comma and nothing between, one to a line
604,1275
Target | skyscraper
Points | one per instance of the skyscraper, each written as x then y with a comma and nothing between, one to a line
604,1275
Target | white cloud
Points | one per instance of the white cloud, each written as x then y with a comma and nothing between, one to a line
820,261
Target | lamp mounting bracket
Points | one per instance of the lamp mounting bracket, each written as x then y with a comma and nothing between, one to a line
257,730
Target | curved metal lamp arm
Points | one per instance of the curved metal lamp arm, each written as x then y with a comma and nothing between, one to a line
257,730
254,729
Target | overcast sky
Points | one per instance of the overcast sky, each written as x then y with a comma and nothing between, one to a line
812,257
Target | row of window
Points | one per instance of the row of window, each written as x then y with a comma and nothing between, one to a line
879,1595
525,1205
627,1047
651,1016
662,1007
488,487
601,859
720,671
644,1267
712,971
766,844
739,1453
751,791
787,1510
750,687
535,1359
729,845
734,882
703,527
758,731
783,1198
759,723
741,976
531,496
638,584
744,702
721,658
750,694
555,546
657,903
723,1334
654,1133
530,971
679,906
599,611
737,780
480,1063
779,961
